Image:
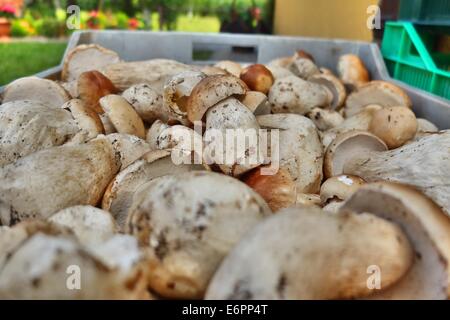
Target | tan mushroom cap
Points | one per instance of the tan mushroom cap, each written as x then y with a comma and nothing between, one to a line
346,146
394,125
339,187
46,92
122,115
93,85
334,85
211,70
256,102
306,253
147,102
278,190
210,91
428,230
86,57
352,71
86,119
304,68
258,78
231,67
91,225
376,92
128,147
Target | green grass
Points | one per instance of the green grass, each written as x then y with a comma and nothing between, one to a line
19,59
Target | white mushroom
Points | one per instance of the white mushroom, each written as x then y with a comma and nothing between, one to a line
43,91
299,149
28,126
91,225
423,164
85,58
128,148
305,253
147,102
325,119
188,227
352,71
427,229
304,68
294,95
231,67
49,180
279,72
86,118
118,195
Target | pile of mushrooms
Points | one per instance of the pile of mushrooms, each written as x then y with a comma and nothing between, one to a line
113,185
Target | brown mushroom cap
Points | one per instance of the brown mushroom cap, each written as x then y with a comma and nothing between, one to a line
258,78
428,230
42,91
122,115
376,92
92,85
256,102
210,91
352,71
394,125
87,57
346,146
278,190
339,187
231,67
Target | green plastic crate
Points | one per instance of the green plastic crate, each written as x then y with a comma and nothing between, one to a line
435,12
410,58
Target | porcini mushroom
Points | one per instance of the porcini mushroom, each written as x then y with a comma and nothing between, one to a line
122,115
294,95
335,86
427,229
211,91
305,253
92,86
86,118
187,227
299,149
86,57
303,68
29,126
258,78
352,71
394,125
256,102
377,92
128,148
42,91
423,163
231,67
325,119
339,188
147,102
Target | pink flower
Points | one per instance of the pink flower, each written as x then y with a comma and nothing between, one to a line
133,23
8,8
93,13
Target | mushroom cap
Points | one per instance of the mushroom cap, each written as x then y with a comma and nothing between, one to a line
178,89
128,147
339,187
231,67
211,70
424,125
304,68
154,132
240,153
304,54
93,85
107,124
122,115
335,86
87,57
91,225
258,78
256,102
348,145
294,95
279,72
283,62
210,91
325,119
428,230
376,92
118,196
29,126
305,253
299,149
278,190
352,71
394,125
188,227
46,92
86,118
147,102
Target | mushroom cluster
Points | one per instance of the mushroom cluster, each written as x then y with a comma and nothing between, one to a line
157,179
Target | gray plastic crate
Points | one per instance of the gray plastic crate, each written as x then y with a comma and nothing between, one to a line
180,46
